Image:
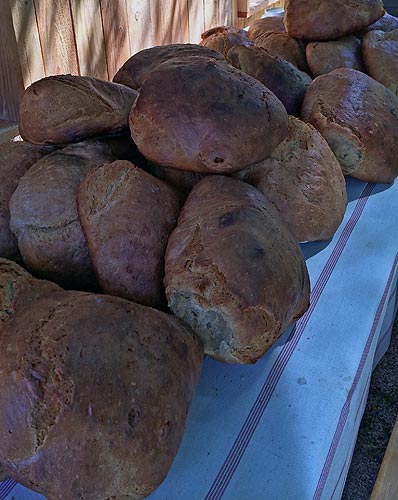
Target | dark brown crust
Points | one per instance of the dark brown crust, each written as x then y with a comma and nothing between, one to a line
182,180
140,65
285,80
358,117
15,159
386,23
197,114
303,179
380,55
284,46
94,383
223,38
328,20
234,272
264,25
324,57
64,108
44,214
127,216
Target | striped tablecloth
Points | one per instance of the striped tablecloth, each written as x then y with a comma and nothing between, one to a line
285,428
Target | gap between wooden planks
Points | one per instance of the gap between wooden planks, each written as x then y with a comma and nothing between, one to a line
386,486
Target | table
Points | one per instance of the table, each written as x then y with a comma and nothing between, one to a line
285,428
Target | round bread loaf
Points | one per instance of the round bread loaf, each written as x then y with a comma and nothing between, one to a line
288,83
327,20
264,25
234,272
359,119
386,23
94,395
44,215
15,159
284,46
140,65
182,180
223,38
303,179
64,108
380,55
127,216
204,115
324,57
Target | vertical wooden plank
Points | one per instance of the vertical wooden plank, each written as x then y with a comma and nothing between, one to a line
184,20
28,42
228,12
116,33
166,22
196,20
211,13
140,25
89,37
54,21
11,83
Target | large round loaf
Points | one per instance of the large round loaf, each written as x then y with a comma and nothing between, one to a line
94,395
284,46
380,55
204,115
328,20
182,180
264,25
15,159
288,83
140,65
386,23
44,215
303,179
223,38
359,119
234,272
127,216
324,57
64,108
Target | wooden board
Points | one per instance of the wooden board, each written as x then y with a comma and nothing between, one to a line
11,83
116,33
54,21
386,486
139,22
211,13
89,35
28,41
195,20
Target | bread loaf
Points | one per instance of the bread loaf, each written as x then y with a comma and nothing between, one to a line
327,20
64,108
303,179
359,119
234,272
140,65
324,57
127,216
182,180
284,46
386,23
15,159
203,115
380,55
264,25
44,214
94,395
223,38
288,83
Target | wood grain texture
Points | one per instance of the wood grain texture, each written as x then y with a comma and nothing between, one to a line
166,22
116,33
386,486
89,35
54,21
195,20
139,19
211,13
28,41
11,83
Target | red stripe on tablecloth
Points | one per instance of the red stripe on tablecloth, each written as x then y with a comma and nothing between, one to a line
6,487
233,458
346,408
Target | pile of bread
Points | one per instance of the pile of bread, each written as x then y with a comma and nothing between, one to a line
149,220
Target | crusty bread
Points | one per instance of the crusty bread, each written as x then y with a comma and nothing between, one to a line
203,115
234,272
284,46
386,23
324,57
303,179
44,214
127,216
328,20
264,25
64,108
94,395
359,119
380,55
223,38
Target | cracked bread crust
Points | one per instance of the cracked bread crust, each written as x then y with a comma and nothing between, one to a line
264,25
234,272
358,117
223,38
94,383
